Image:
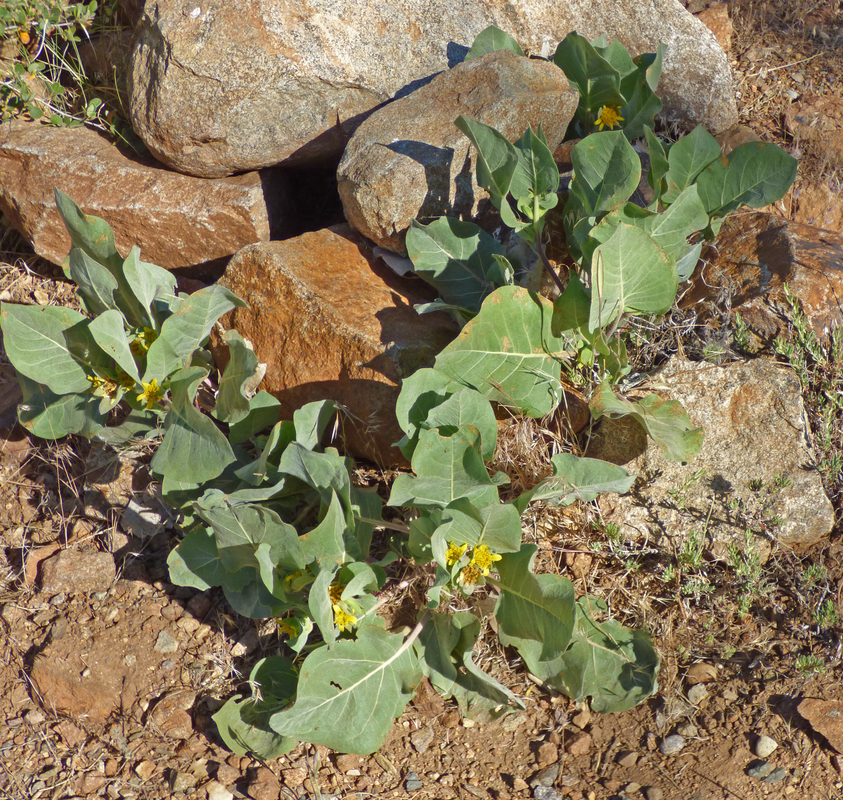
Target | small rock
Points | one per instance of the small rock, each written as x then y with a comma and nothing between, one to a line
697,693
199,605
582,719
547,754
653,793
689,730
760,769
626,758
145,770
166,643
182,781
76,570
826,718
216,791
581,745
347,762
546,793
513,722
413,783
672,744
776,776
519,784
422,739
546,777
764,746
264,786
35,717
730,695
632,787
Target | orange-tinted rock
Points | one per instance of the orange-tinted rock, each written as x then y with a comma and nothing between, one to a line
826,718
754,256
716,19
818,120
819,205
331,322
177,221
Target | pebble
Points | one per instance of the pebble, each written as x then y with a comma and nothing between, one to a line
697,693
166,643
626,758
777,775
653,793
216,791
422,739
764,746
760,769
546,777
546,793
672,744
413,784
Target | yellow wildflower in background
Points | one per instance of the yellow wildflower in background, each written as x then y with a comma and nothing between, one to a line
483,558
342,618
142,341
286,628
151,394
454,553
105,387
610,116
335,593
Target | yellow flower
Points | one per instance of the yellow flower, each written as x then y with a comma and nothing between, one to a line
469,575
342,618
125,380
609,116
151,394
483,559
335,593
455,553
143,340
105,387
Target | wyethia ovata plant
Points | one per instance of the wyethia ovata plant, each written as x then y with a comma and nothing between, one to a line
274,519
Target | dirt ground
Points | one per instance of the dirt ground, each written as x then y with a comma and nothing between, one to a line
108,680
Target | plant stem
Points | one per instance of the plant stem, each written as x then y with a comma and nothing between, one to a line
546,264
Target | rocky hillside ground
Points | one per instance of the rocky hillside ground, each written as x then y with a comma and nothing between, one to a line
109,674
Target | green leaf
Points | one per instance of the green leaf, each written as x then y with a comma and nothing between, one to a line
193,450
91,234
497,526
319,602
597,81
243,723
570,311
617,55
109,333
666,421
758,173
536,607
453,257
186,330
490,40
263,413
51,416
687,159
658,166
96,283
638,89
148,283
536,174
448,468
606,171
240,530
576,478
196,561
35,341
671,228
508,353
326,541
349,695
615,666
687,263
630,272
311,421
232,398
497,158
466,407
421,392
444,649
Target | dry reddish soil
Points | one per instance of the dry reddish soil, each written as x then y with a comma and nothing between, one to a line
108,679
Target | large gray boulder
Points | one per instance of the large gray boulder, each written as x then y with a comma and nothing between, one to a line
409,160
222,87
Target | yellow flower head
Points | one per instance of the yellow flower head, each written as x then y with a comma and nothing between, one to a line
151,394
454,553
469,575
610,116
125,380
342,618
24,37
104,387
143,340
483,558
335,593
